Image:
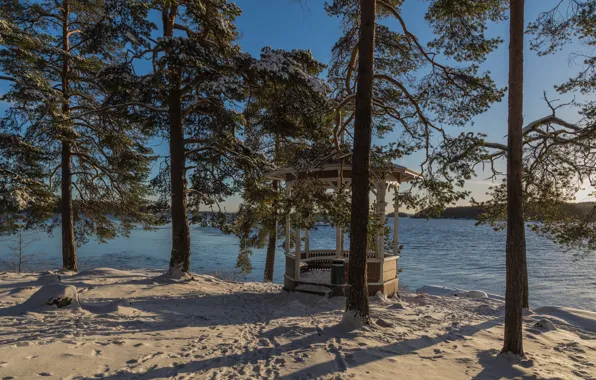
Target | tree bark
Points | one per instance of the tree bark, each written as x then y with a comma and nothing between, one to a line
526,295
272,243
357,300
180,256
20,250
516,240
69,253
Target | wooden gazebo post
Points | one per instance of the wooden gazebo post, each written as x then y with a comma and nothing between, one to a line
381,207
396,222
288,226
339,247
307,241
339,233
298,245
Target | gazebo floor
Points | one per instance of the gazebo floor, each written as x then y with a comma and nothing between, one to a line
315,273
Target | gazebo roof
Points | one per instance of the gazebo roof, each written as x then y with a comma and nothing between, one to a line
331,171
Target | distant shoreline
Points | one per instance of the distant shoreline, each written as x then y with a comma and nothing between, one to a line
579,210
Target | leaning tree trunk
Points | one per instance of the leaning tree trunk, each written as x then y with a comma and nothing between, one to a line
180,257
69,253
272,243
516,240
357,301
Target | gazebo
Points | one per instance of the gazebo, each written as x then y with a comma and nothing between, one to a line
309,270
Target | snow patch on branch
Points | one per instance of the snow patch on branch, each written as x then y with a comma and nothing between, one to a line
276,63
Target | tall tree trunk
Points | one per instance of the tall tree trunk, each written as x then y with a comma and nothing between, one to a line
516,240
357,300
180,257
20,250
69,253
272,243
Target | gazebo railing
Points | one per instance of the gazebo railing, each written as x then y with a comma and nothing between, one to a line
330,253
322,253
321,259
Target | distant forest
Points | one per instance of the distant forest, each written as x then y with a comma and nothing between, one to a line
473,212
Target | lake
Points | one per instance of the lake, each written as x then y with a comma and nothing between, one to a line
452,253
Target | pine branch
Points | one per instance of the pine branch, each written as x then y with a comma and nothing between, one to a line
534,127
551,119
54,173
351,68
502,147
420,48
189,32
89,160
196,141
123,105
194,105
413,102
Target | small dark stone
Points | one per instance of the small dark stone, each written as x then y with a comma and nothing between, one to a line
60,302
383,323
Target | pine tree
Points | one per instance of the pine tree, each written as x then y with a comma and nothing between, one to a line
24,199
557,159
286,107
195,92
411,91
558,173
357,300
53,55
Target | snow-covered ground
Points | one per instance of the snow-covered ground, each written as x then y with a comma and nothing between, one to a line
122,325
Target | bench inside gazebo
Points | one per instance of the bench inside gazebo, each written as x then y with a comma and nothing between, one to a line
310,270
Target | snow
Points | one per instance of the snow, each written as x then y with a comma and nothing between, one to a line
132,324
444,291
223,84
316,276
48,278
545,324
175,274
104,272
20,198
313,288
350,321
317,85
49,296
472,294
280,64
583,319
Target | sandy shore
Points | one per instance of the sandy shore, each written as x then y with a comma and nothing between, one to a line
123,325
